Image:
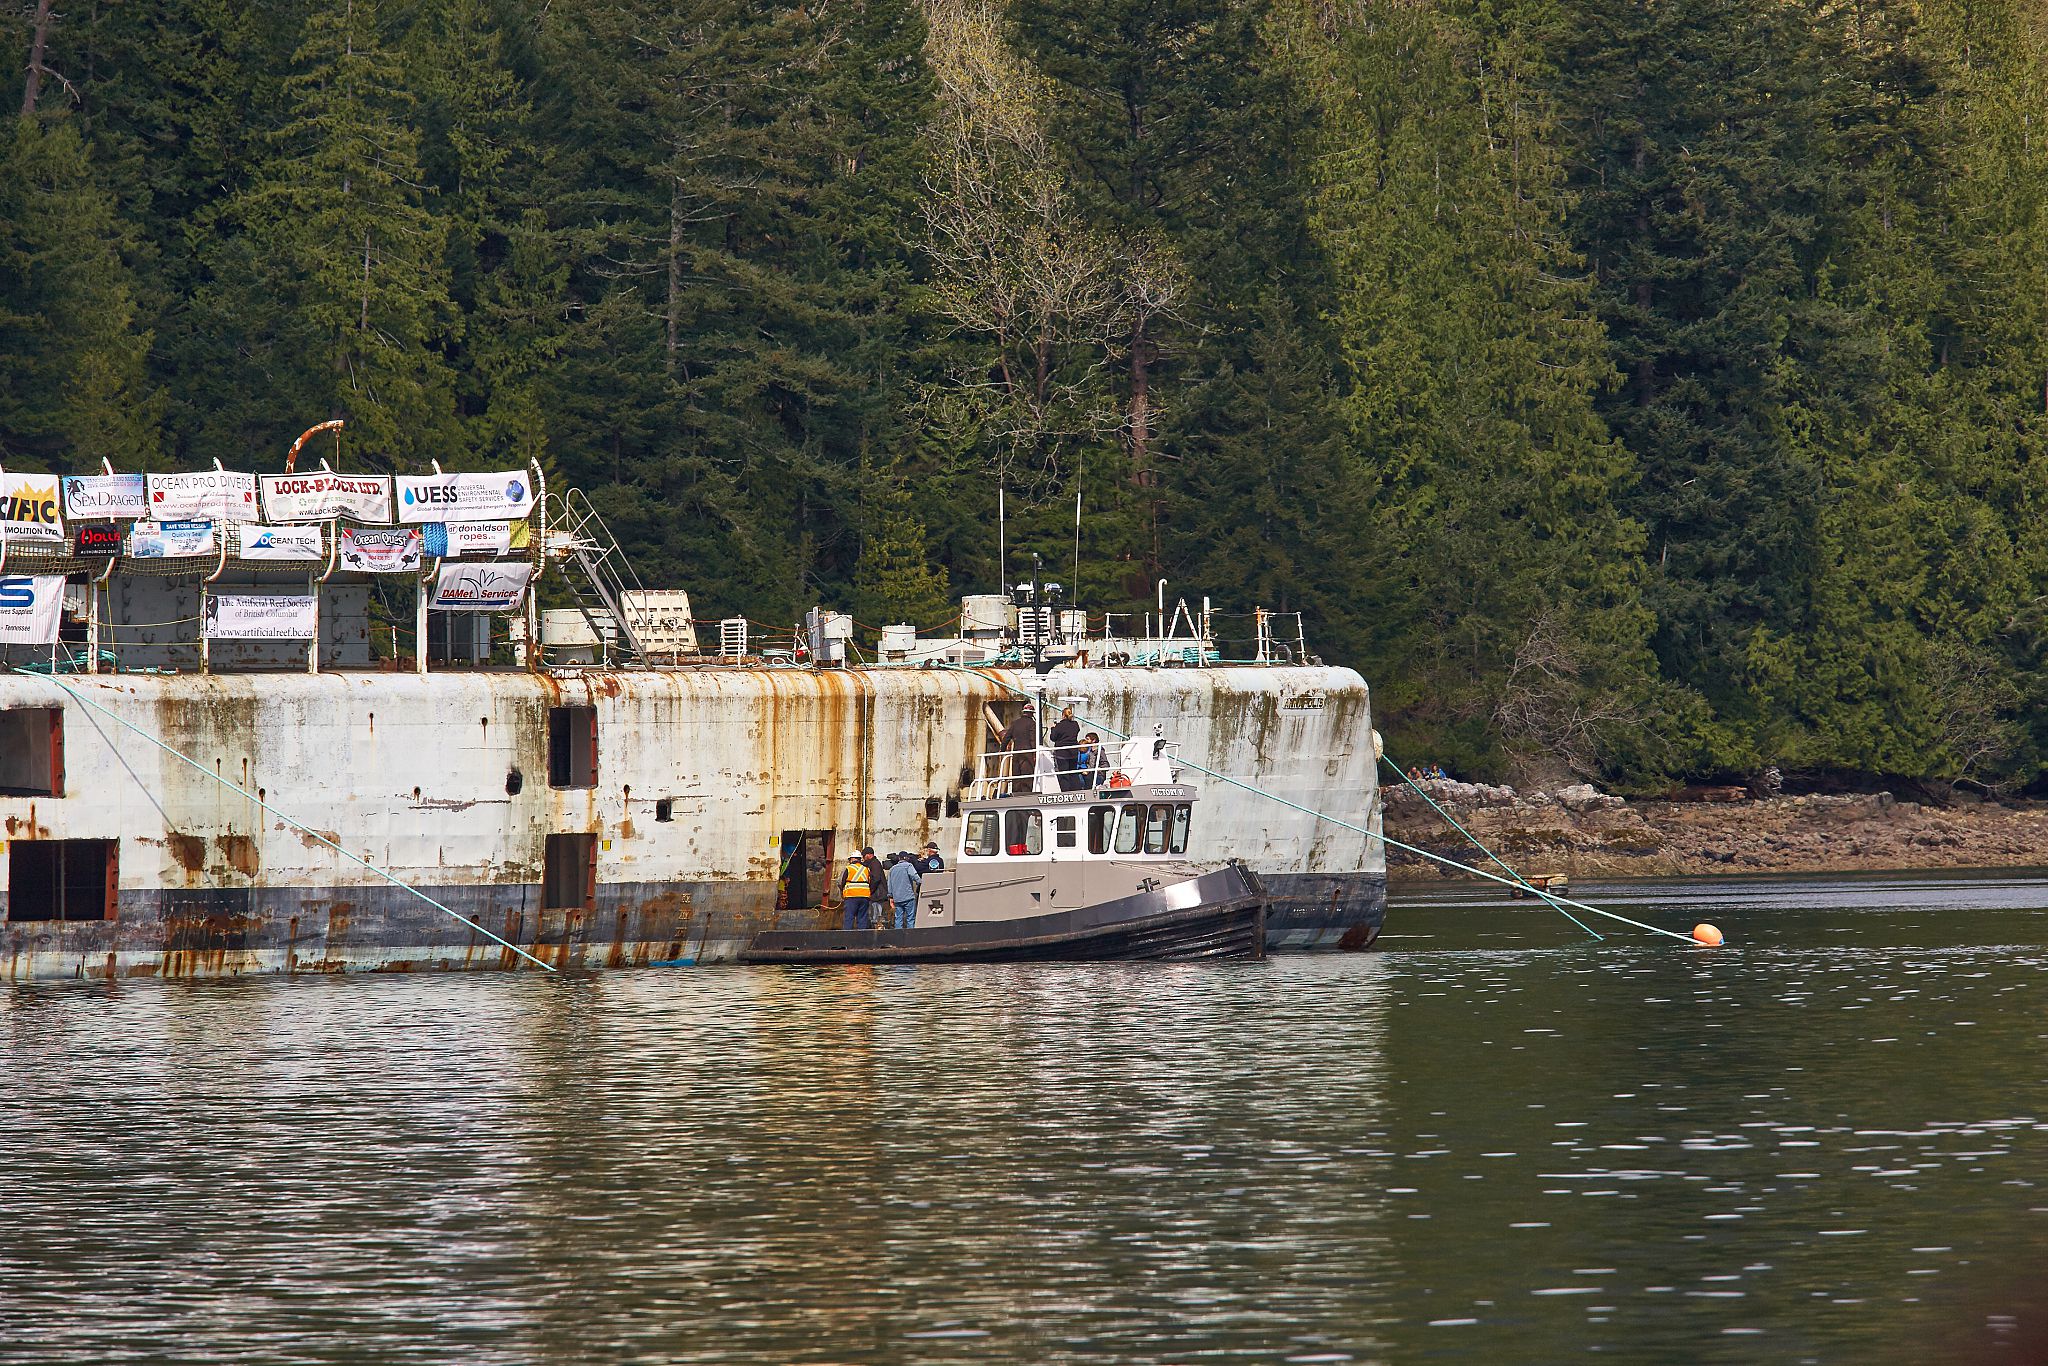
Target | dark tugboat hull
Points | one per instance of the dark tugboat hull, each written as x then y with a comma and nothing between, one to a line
1218,915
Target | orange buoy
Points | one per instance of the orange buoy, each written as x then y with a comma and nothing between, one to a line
1704,933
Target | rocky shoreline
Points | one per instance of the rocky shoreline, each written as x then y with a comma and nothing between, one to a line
1584,833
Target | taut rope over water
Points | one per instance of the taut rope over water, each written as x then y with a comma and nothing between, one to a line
1480,845
1342,823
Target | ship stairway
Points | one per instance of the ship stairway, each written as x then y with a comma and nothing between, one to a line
604,583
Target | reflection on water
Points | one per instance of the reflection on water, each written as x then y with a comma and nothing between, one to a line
1494,1139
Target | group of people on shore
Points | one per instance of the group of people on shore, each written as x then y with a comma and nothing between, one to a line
893,881
1079,761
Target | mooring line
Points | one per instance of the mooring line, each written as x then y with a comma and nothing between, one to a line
1480,845
1385,840
232,786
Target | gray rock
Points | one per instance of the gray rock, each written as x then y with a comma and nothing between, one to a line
1584,797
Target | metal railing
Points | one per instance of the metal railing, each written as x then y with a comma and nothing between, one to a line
607,576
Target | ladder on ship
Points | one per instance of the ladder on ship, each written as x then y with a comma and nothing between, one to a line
605,584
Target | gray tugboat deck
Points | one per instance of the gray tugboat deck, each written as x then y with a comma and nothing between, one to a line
1217,915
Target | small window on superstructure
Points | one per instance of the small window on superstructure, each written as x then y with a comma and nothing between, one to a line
1065,834
1101,820
984,831
1181,816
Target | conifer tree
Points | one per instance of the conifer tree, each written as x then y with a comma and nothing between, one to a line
73,383
893,579
330,274
1502,607
1703,166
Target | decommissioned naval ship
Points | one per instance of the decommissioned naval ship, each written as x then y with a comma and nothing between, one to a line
225,749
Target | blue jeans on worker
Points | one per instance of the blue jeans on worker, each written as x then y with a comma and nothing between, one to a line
906,914
856,912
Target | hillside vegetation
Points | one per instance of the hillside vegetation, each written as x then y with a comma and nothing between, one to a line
1643,387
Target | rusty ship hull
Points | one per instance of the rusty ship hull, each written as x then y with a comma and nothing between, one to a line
596,818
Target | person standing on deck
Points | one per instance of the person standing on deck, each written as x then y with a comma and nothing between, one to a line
931,862
903,885
1021,740
877,875
853,893
1066,742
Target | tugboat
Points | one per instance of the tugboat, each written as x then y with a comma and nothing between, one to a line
1043,874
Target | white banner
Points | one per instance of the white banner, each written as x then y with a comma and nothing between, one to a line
369,551
171,540
31,608
248,616
481,587
216,495
92,496
467,540
28,508
279,542
503,497
324,495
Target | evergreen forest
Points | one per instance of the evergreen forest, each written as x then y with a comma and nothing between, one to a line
1648,389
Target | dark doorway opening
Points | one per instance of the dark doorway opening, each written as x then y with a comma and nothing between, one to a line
572,746
569,881
805,873
32,752
62,879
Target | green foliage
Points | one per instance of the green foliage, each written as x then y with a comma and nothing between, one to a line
329,272
1634,389
1502,606
894,581
73,382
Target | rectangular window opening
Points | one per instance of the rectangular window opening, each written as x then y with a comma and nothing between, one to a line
1130,828
32,752
1064,834
1101,819
1156,829
62,879
572,746
665,809
1024,832
569,881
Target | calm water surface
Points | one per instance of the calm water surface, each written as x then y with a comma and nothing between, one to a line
1495,1139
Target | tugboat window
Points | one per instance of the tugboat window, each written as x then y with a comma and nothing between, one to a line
1180,828
982,829
1024,832
1130,828
1155,829
1063,832
1101,819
